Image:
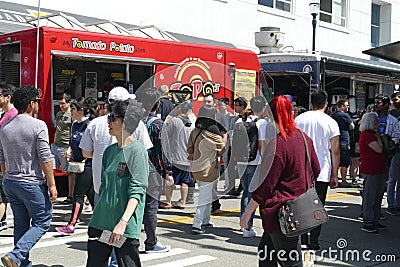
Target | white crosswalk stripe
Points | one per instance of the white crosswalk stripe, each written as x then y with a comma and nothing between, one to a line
154,256
187,261
51,239
10,240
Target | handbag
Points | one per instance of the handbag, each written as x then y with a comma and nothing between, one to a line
302,214
389,147
76,167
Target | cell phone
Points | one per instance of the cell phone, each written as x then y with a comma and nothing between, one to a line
105,238
122,170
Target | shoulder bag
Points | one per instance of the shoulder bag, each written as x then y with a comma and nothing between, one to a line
76,167
302,214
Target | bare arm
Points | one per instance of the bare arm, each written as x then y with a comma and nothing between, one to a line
119,229
47,168
351,126
225,137
377,145
251,207
260,146
335,154
87,154
3,168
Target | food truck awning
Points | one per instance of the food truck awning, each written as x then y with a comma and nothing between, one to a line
108,59
59,20
361,63
14,17
390,52
364,76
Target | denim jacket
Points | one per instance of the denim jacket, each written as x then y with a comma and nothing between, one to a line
392,128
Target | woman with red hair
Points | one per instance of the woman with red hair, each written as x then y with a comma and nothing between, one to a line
284,180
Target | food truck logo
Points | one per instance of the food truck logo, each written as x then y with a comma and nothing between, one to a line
102,46
90,45
197,73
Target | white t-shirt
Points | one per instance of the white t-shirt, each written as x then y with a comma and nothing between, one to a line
261,137
321,128
97,138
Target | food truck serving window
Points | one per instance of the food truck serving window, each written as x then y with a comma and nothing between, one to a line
10,61
84,78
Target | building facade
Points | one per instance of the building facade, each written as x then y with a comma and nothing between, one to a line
344,27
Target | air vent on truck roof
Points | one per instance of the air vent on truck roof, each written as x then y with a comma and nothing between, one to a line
269,39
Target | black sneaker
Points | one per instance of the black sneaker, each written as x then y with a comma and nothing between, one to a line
207,225
189,201
393,212
3,225
232,194
381,226
198,231
370,229
215,210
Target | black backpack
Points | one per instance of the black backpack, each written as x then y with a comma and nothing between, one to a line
245,140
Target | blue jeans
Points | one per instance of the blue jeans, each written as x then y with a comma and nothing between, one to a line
246,174
32,209
113,260
393,188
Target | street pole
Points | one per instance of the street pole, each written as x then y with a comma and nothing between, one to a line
314,25
37,47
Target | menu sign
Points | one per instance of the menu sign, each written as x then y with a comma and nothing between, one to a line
245,83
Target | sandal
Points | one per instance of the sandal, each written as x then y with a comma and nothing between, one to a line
164,205
177,205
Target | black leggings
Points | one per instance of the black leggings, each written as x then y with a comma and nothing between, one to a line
83,186
98,252
287,247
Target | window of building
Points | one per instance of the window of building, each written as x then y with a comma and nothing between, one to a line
285,5
334,11
375,25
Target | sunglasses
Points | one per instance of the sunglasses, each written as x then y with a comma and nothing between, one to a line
113,117
37,100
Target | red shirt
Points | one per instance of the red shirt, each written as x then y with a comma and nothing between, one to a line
285,179
372,162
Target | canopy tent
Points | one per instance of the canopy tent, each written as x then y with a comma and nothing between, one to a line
390,52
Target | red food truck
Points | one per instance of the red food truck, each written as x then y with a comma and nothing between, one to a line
84,63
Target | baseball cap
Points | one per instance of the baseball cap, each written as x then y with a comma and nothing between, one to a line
120,93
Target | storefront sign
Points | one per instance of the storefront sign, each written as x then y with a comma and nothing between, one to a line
117,75
197,75
245,83
102,46
68,72
88,45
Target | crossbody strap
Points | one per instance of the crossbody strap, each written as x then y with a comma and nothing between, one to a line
307,154
194,142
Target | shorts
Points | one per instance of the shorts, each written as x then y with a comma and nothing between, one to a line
182,176
3,198
59,158
344,156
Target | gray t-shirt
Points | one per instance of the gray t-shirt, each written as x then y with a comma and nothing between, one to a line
174,138
24,144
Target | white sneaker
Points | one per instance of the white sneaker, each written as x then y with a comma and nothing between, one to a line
249,233
87,207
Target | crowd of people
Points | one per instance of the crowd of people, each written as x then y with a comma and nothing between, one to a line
122,157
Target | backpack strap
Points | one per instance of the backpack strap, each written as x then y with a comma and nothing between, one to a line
151,120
